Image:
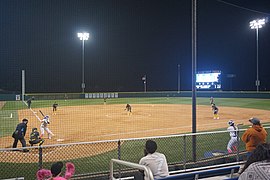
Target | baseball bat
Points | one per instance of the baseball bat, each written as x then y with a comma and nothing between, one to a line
41,113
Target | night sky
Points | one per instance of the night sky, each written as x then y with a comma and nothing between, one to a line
128,39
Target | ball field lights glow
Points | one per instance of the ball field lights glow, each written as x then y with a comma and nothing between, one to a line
256,24
83,36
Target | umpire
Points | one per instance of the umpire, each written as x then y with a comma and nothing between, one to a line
19,134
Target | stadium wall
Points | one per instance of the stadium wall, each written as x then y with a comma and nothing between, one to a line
101,95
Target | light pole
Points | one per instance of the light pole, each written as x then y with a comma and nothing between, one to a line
178,87
83,36
257,24
144,82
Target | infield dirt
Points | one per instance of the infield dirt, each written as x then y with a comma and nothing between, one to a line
106,122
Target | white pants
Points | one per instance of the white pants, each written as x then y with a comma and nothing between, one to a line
42,129
231,143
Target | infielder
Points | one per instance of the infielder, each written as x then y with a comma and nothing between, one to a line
232,144
211,100
215,111
54,107
44,126
128,109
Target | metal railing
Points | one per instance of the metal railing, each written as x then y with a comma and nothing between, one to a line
147,172
92,158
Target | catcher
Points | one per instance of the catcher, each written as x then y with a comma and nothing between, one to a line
128,109
35,138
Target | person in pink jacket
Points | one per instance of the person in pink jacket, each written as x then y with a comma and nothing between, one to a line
55,172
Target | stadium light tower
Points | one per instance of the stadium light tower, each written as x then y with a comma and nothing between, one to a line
83,37
257,24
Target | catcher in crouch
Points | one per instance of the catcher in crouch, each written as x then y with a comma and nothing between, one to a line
44,126
128,109
34,138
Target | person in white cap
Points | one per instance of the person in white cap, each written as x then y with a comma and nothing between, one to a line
44,126
232,144
254,136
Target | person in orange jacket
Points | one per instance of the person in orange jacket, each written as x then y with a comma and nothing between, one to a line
254,136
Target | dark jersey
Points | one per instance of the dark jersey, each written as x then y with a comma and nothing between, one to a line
20,130
34,136
128,107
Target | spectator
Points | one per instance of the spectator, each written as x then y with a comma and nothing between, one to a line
155,161
19,134
258,164
55,172
254,135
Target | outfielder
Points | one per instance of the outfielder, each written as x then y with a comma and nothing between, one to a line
232,144
44,126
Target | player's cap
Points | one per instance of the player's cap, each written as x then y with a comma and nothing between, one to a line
254,120
34,129
25,120
231,122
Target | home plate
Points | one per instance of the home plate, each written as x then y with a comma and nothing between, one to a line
60,140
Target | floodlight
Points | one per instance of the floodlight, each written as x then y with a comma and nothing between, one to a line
83,36
255,24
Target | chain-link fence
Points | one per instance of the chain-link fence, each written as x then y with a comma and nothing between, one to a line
92,159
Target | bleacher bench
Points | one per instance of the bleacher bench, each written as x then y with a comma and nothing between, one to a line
204,173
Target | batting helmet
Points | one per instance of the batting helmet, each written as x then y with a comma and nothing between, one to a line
47,117
231,122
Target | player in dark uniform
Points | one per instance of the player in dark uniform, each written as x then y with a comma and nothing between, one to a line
211,100
35,138
29,101
54,107
128,109
19,134
215,111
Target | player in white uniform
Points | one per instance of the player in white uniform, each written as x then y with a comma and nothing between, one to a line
232,144
44,126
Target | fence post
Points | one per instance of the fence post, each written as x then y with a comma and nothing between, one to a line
238,144
119,156
40,157
185,151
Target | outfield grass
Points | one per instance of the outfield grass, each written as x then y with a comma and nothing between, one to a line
230,102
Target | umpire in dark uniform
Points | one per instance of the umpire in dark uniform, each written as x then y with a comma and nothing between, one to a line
19,134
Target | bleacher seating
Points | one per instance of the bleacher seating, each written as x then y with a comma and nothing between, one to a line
205,174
